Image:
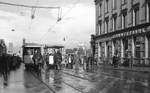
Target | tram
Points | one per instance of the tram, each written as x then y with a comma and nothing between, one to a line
28,52
50,52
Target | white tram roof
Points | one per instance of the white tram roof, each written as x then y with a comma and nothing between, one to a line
32,45
54,46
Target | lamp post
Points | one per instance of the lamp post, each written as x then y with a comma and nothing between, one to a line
93,51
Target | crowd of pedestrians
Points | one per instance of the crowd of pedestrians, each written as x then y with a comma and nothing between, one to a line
37,61
8,63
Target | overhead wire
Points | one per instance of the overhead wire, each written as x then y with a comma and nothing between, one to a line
27,6
33,10
60,17
70,8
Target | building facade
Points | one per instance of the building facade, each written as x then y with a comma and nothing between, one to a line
123,29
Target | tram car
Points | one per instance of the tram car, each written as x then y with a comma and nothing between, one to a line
50,53
29,50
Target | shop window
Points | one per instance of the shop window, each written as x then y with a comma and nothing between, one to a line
117,45
109,50
139,48
99,50
102,49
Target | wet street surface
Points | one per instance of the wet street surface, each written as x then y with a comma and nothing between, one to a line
70,81
21,81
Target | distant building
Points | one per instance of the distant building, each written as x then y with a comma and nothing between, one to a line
3,49
10,49
122,28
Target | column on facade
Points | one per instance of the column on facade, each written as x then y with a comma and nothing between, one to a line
133,50
105,50
146,49
113,48
99,52
122,51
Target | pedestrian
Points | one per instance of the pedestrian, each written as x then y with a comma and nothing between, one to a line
4,70
51,61
28,61
55,60
38,61
115,60
85,63
59,59
76,61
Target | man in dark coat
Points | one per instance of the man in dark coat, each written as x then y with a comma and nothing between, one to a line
58,59
38,60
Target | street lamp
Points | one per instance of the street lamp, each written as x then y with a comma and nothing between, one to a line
12,30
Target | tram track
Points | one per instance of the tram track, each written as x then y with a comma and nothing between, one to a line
53,90
84,78
78,76
110,75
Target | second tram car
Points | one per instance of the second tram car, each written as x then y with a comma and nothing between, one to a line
52,57
28,52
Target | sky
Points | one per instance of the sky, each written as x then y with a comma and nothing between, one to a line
76,26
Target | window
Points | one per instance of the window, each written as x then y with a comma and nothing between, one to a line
106,6
123,1
124,20
114,23
113,4
100,28
139,49
100,9
106,25
135,16
148,12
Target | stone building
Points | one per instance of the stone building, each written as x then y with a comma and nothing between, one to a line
122,28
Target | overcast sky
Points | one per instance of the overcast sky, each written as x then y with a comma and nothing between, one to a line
76,26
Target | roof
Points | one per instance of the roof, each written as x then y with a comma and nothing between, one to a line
32,45
54,46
